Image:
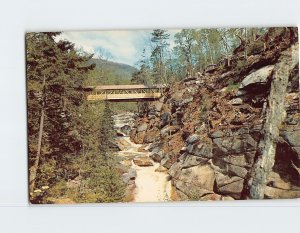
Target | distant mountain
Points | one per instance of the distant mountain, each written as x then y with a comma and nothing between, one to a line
114,71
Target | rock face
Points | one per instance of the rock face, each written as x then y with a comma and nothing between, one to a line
208,134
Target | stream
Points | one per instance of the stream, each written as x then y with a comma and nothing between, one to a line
150,185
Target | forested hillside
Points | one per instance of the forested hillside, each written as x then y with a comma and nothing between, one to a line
108,72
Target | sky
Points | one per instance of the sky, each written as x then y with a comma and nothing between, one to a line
124,46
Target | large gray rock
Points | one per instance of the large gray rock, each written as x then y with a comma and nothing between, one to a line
157,156
175,170
193,138
232,186
167,161
130,175
165,118
217,134
125,129
168,130
191,192
191,161
143,161
241,160
259,77
236,101
277,193
201,176
201,150
151,135
233,145
142,127
292,137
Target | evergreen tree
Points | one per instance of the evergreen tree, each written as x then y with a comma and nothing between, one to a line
54,76
106,132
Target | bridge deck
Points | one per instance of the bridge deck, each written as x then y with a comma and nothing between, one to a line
120,93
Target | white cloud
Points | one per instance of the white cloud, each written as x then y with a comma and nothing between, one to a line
125,46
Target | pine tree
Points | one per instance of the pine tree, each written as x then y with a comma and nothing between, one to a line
55,73
106,132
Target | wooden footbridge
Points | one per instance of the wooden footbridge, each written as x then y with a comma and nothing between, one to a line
125,93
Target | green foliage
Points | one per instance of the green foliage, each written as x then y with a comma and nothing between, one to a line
240,64
70,139
108,72
255,47
105,181
159,38
106,133
232,87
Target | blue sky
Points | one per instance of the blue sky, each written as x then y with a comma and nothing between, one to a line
125,46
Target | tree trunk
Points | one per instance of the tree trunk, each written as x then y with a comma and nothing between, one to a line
275,115
34,168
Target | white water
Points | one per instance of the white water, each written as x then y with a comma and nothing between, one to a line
151,186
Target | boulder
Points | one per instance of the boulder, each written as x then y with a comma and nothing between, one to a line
168,130
125,129
130,175
165,118
161,169
201,176
201,150
217,134
259,77
277,193
241,160
142,127
275,181
122,143
151,135
157,156
193,138
236,170
155,146
139,137
292,137
232,186
233,145
175,170
191,192
191,161
236,101
167,161
143,161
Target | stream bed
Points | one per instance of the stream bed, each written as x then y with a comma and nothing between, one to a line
151,184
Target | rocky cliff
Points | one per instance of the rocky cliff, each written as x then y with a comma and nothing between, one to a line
210,130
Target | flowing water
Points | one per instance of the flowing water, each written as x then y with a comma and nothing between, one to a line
150,185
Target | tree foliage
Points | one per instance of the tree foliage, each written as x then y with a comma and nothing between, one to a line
63,129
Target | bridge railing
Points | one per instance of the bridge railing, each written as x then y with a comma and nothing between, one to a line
135,96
